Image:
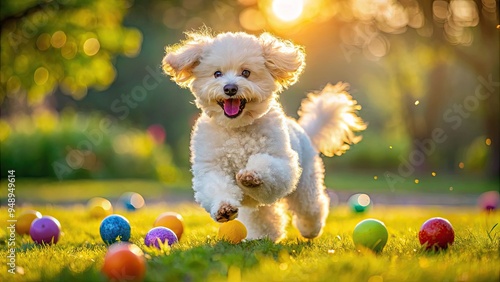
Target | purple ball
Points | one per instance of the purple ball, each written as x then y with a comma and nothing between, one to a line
45,230
160,234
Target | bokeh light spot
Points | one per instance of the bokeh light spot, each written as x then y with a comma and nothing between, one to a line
58,39
136,201
364,200
132,43
378,47
91,46
417,181
440,10
157,132
252,19
41,76
461,165
288,10
488,141
69,50
13,85
43,42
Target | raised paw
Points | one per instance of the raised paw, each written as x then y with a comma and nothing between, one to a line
226,212
248,178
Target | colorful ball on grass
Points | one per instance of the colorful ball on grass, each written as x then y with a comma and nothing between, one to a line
371,234
124,262
45,230
159,236
131,201
232,231
436,233
99,207
359,202
171,220
114,228
24,221
489,201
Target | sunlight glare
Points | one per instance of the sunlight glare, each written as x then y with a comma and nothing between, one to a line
288,10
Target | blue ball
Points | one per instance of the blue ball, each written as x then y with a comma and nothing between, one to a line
131,201
114,228
359,202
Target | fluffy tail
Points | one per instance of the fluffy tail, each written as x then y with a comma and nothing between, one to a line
329,118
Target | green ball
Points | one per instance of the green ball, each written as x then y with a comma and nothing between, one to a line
370,233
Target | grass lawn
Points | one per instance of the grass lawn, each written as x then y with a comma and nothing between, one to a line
200,256
79,191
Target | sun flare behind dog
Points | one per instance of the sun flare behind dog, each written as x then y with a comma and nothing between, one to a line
249,160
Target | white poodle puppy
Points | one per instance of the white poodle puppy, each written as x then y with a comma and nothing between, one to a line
249,160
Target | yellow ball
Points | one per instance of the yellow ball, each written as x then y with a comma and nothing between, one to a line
171,220
24,221
232,231
99,207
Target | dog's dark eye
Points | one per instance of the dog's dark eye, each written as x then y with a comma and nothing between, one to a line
217,74
245,73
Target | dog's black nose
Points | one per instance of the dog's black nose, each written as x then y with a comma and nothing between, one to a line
230,89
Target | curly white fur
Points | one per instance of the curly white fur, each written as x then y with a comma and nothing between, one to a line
329,118
249,160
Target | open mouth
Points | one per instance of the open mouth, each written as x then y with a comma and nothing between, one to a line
232,107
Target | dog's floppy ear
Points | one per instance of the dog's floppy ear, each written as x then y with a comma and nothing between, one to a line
180,59
285,60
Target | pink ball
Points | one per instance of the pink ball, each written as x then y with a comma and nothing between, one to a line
489,201
45,230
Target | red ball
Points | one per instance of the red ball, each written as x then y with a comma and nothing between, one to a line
436,233
124,262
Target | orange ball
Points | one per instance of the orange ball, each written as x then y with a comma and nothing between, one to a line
124,262
171,220
24,221
99,207
232,231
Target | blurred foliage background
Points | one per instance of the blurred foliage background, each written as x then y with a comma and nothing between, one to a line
83,96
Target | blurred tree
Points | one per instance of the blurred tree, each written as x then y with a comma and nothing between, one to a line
412,47
65,43
425,38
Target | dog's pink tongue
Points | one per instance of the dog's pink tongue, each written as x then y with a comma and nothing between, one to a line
231,106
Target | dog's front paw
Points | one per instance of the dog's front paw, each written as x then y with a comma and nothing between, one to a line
248,178
226,212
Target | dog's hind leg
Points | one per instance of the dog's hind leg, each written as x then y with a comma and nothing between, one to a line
267,221
309,203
